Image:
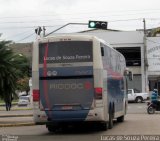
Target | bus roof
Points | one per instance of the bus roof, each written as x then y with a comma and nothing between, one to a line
67,37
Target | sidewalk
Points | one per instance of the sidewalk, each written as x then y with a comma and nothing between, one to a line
18,116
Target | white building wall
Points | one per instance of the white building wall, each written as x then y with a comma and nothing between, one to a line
119,37
153,55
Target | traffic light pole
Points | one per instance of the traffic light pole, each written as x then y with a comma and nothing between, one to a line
65,26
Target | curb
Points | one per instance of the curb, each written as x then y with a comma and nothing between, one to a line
17,109
4,116
13,103
17,124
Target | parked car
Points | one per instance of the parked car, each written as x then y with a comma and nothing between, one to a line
135,96
24,101
23,93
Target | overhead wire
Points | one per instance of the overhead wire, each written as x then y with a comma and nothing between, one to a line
120,20
60,19
25,37
56,14
144,11
19,34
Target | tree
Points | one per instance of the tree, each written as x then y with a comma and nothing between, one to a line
11,68
154,32
22,84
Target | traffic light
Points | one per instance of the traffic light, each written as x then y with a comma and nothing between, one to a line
38,30
97,24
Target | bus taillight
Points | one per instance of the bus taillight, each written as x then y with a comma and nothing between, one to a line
36,95
98,93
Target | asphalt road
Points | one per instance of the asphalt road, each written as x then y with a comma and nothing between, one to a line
137,108
12,116
137,122
133,108
134,124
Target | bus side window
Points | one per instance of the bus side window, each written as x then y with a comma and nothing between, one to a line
102,51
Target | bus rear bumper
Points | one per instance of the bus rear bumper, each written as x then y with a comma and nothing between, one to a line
96,114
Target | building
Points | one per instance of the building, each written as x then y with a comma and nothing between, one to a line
131,45
153,56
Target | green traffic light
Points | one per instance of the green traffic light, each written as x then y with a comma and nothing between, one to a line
97,24
92,24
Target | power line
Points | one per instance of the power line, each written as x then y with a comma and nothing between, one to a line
120,20
25,37
25,27
58,19
19,34
15,27
61,25
147,10
126,20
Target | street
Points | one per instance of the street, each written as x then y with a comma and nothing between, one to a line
137,122
137,108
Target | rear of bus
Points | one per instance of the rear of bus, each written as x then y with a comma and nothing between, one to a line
65,89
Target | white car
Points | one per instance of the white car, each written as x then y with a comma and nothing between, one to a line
23,100
136,96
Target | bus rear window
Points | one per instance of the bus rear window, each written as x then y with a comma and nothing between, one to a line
66,52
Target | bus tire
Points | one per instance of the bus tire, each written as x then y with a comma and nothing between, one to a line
110,124
120,119
104,126
51,128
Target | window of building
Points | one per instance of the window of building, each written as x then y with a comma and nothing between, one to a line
132,55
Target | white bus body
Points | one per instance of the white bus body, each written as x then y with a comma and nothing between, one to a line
77,78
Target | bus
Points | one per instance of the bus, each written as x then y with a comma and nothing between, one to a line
78,79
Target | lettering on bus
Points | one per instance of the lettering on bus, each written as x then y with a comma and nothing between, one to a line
66,52
76,57
67,86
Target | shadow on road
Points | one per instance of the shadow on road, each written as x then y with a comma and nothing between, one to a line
80,129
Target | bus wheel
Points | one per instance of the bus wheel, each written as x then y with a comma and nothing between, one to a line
110,125
120,119
51,128
104,126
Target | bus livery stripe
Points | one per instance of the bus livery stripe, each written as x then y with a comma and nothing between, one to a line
45,81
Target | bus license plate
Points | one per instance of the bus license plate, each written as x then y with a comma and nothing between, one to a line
67,108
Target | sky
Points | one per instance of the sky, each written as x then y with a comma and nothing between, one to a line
20,18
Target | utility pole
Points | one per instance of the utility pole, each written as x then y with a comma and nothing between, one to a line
44,31
145,57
